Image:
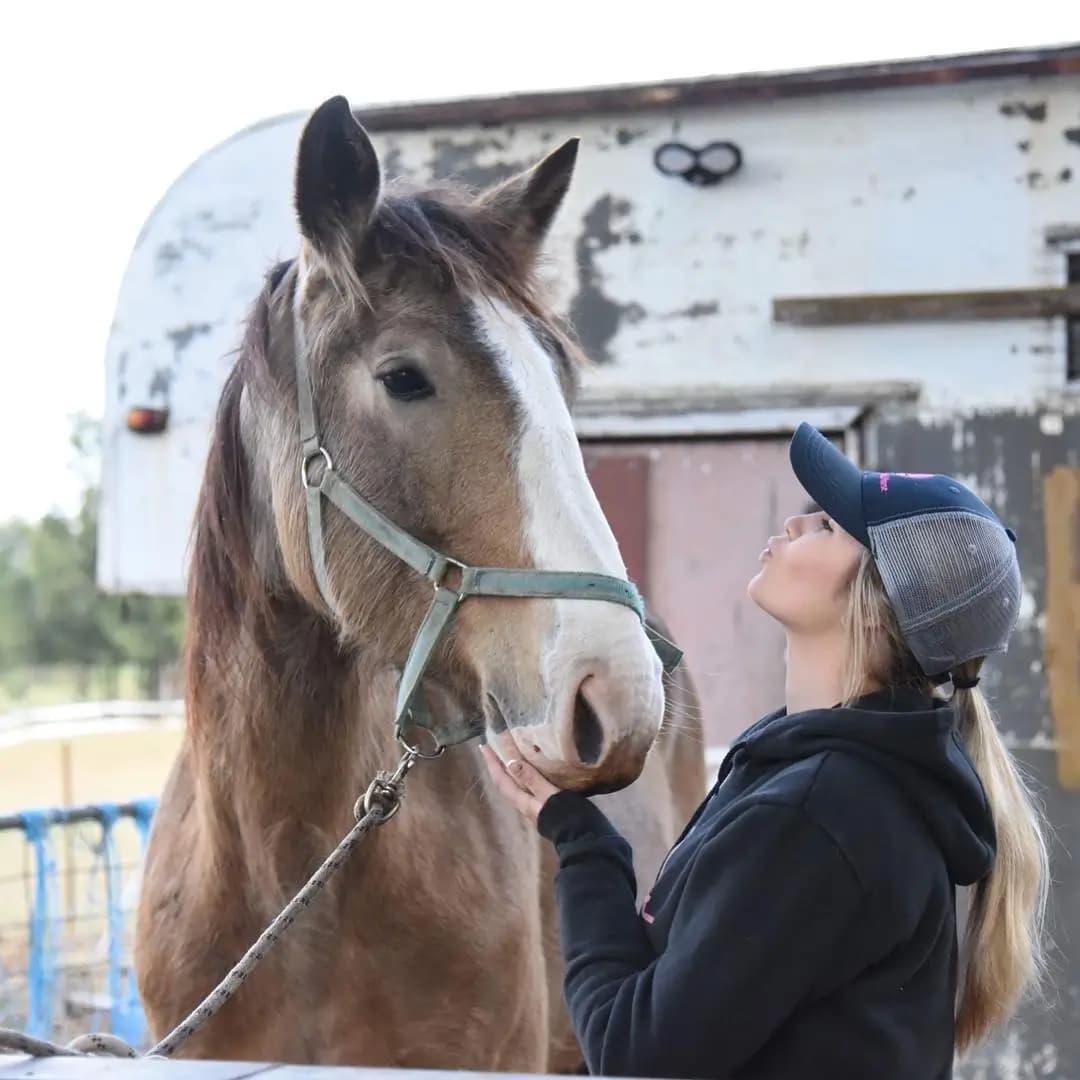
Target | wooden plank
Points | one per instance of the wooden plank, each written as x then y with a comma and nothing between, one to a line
972,304
1061,513
652,401
105,1068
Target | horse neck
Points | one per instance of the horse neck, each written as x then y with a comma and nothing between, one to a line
285,725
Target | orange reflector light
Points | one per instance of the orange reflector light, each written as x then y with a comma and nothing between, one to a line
147,421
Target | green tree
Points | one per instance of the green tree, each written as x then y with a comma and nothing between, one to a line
51,611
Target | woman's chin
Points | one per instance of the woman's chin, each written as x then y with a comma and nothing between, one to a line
753,586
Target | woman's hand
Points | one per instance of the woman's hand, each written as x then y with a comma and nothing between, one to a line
519,783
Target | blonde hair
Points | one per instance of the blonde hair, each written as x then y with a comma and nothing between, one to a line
1003,945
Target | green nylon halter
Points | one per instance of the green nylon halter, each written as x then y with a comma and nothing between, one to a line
437,568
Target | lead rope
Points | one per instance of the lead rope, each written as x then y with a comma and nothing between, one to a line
375,807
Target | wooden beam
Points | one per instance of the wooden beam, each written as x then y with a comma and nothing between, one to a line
1038,303
1061,641
648,401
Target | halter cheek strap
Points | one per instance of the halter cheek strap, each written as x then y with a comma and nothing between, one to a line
438,569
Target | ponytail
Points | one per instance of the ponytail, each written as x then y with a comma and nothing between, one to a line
1002,947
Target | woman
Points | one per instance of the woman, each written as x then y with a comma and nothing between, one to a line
805,923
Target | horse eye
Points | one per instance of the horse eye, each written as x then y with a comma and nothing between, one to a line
406,384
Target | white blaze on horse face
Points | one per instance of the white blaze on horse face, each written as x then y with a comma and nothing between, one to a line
565,529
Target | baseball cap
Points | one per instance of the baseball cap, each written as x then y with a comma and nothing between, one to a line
948,564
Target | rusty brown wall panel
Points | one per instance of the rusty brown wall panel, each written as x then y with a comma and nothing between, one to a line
621,481
1061,512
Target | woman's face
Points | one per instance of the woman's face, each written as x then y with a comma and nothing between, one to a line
806,574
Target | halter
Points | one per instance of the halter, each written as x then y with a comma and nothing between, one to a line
452,581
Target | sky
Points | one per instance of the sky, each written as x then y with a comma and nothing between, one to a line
103,104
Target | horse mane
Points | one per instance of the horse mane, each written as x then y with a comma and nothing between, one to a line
222,572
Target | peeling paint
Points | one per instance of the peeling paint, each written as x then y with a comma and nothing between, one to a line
594,314
160,383
182,336
212,223
459,159
121,374
797,244
698,310
625,136
1035,111
166,257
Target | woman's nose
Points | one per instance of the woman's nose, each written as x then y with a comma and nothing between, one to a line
791,528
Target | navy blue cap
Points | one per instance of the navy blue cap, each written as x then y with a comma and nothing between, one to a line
859,500
947,563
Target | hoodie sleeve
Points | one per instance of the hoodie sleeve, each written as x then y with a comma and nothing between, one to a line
766,903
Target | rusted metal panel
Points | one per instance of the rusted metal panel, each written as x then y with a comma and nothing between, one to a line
1061,513
1036,303
621,482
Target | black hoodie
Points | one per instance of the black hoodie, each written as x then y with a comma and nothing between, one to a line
804,925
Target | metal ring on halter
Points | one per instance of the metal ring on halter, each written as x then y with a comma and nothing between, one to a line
417,752
305,464
438,581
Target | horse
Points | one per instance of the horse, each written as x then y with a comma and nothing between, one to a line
443,385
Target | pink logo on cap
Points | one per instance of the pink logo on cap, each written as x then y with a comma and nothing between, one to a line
883,478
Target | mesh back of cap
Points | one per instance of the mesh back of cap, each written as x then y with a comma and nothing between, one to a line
954,583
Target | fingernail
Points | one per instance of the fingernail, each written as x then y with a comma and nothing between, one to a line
515,767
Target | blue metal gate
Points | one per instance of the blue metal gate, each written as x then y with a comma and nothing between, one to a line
66,971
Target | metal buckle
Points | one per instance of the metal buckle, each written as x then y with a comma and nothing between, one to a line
305,464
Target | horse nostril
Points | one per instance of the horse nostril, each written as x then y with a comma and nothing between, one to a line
588,734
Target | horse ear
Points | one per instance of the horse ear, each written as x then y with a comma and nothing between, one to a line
338,177
529,201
